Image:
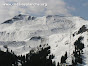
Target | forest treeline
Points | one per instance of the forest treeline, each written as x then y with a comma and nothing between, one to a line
41,57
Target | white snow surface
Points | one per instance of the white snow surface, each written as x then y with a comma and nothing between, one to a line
57,31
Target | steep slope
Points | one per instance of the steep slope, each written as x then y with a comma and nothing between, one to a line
23,32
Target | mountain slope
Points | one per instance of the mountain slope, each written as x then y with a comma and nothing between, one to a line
24,32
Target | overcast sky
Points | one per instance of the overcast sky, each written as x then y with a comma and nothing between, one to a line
54,7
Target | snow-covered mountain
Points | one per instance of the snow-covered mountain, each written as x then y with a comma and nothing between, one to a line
23,32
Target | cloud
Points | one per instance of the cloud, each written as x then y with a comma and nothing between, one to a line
54,7
85,4
71,8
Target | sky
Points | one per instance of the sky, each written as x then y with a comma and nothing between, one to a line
80,6
45,7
